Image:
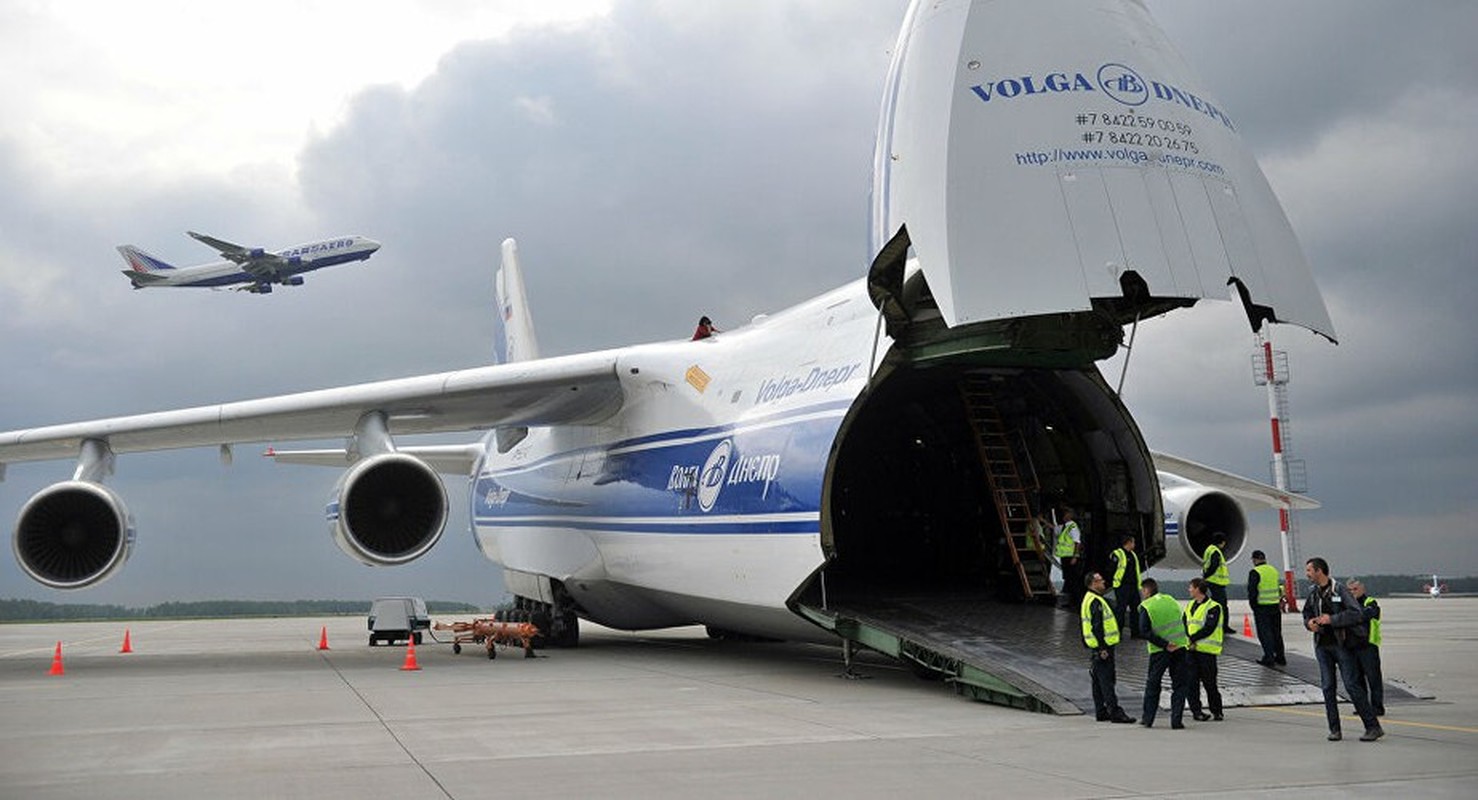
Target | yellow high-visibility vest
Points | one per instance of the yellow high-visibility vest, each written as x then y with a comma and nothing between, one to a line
1110,624
1195,620
1268,590
1374,623
1166,620
1221,577
1123,558
1066,547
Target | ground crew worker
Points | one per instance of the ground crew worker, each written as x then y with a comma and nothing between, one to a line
1069,552
1100,636
1203,628
1335,618
1369,655
1214,571
1265,593
1165,637
1126,585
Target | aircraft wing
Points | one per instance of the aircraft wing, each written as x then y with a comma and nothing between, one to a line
1244,489
255,261
448,459
576,389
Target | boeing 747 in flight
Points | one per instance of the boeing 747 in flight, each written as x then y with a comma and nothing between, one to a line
247,269
1047,173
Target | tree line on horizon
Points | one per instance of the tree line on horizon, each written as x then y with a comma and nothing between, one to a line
16,610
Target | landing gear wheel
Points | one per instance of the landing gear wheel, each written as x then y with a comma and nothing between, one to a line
456,649
492,651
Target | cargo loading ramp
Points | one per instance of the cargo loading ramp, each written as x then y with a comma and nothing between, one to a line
1031,656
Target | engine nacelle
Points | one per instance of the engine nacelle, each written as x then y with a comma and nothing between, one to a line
296,280
1193,515
73,534
388,509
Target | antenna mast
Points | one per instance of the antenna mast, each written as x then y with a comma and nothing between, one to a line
1270,369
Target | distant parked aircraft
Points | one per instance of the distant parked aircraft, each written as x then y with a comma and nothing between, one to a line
253,267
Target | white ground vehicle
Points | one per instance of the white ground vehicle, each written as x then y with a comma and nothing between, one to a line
397,619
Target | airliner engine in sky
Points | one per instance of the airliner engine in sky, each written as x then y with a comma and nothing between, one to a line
1047,172
255,269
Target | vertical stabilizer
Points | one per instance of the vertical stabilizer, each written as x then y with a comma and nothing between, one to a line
139,261
514,338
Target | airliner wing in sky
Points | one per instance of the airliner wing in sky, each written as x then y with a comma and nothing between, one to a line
564,390
256,262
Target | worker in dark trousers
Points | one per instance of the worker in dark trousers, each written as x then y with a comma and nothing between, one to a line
1369,655
1125,563
1101,636
1214,571
1203,628
1161,621
1265,594
1335,618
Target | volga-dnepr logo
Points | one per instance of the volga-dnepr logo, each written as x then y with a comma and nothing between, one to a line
711,477
1118,82
1123,84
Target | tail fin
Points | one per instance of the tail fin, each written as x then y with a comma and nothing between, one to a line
139,261
514,337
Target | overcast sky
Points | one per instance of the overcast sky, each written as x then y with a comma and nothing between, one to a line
657,161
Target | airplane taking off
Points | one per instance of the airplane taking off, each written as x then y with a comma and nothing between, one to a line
1047,172
1435,590
254,267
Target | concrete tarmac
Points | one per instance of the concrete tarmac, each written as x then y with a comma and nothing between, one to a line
251,709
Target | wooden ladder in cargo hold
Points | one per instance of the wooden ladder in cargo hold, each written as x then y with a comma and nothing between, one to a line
1009,490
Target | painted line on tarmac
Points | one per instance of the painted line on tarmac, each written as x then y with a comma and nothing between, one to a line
1383,721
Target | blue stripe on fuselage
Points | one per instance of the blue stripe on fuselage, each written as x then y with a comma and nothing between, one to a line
756,476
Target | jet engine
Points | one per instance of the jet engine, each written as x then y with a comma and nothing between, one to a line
296,280
388,509
1194,514
73,534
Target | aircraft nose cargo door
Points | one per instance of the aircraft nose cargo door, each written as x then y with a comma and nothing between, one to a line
937,469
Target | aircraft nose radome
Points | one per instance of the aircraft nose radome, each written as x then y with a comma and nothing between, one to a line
373,245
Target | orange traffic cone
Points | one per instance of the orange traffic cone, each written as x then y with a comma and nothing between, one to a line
56,662
1247,626
127,645
410,656
323,638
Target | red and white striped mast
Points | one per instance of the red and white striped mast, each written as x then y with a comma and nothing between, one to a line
1277,380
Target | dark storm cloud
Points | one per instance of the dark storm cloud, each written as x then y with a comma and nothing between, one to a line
674,160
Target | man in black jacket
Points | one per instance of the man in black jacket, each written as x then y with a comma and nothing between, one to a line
1335,618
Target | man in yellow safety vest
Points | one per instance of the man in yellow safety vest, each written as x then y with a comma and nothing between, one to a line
1164,631
1101,636
1369,655
1203,627
1126,585
1265,594
1069,552
1214,571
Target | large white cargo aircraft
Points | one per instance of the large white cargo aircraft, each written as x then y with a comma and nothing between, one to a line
1047,172
248,269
